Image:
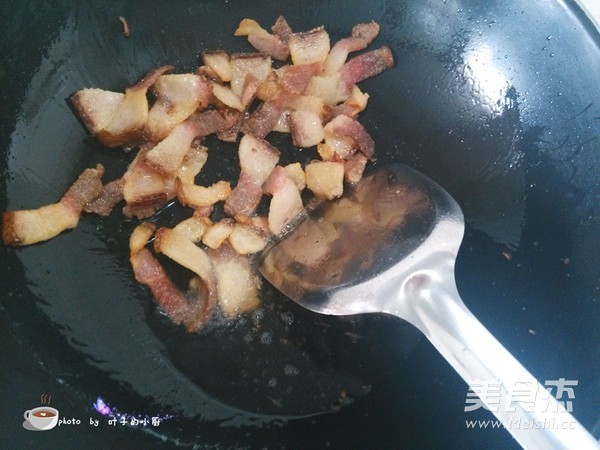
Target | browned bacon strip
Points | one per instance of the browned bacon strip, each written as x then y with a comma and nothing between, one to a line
262,40
296,77
282,29
347,127
214,121
112,193
262,121
30,226
148,271
245,197
362,35
364,66
191,309
258,158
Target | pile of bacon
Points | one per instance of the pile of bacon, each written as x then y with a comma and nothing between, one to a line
239,97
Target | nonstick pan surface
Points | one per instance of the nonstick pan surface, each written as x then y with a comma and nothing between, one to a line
498,102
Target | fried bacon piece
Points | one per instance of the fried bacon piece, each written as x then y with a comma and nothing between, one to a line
246,239
262,121
344,129
365,65
218,62
144,188
246,65
217,233
191,309
177,97
295,78
282,29
308,47
362,35
263,41
190,194
184,252
354,167
306,128
352,106
167,156
286,203
112,193
325,179
237,283
193,228
117,119
30,226
258,158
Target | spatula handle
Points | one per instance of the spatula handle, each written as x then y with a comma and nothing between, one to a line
525,407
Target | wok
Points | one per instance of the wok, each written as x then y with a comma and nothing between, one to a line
497,102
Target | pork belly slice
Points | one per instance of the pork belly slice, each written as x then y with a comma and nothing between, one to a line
351,107
309,47
217,232
327,87
354,167
167,156
177,97
145,189
192,163
192,308
295,78
218,61
362,35
148,271
193,228
265,118
286,203
343,135
196,196
272,114
245,65
214,121
295,173
258,158
244,197
247,239
262,40
306,128
143,184
112,193
29,226
202,295
237,284
226,96
325,179
337,85
116,119
282,29
365,65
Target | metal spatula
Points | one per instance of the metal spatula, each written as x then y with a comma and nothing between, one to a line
389,245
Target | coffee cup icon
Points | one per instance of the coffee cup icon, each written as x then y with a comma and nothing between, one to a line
40,419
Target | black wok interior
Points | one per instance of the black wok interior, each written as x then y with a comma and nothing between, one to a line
499,102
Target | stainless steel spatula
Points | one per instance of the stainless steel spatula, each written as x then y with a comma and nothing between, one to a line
389,246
